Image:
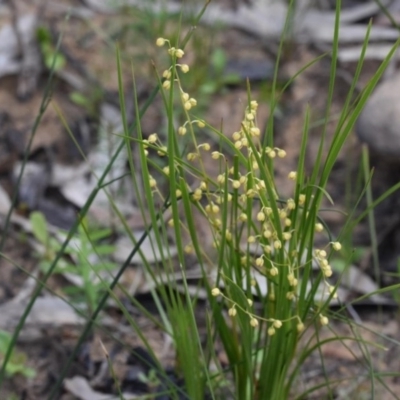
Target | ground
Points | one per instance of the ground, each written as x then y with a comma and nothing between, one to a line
91,69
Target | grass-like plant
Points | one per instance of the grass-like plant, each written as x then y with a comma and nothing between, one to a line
259,266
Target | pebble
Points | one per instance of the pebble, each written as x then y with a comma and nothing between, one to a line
379,122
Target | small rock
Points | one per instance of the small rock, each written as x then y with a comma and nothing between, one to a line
379,123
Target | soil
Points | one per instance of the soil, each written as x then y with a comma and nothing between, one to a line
88,48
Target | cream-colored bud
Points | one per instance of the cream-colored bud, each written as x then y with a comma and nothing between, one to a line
277,324
243,217
292,175
281,153
286,235
254,105
232,312
236,136
260,261
271,331
261,216
238,145
319,227
300,327
253,322
153,138
274,271
179,53
167,74
236,184
267,233
221,178
336,246
185,68
160,42
250,116
267,249
324,320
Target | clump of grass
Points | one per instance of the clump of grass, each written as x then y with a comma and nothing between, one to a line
259,271
263,243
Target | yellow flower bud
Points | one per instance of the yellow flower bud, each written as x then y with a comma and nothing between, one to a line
250,116
281,153
179,53
286,235
277,324
292,175
166,74
232,312
324,320
153,138
184,68
254,131
152,182
236,136
181,130
253,322
319,227
243,217
336,246
236,184
274,271
259,261
271,331
261,216
160,42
